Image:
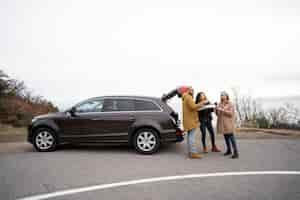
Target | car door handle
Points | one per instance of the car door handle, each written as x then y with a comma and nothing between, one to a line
131,118
96,119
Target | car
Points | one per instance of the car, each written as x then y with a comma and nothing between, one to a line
144,123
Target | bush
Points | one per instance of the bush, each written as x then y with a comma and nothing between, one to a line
10,120
287,126
249,124
17,103
263,122
21,115
21,123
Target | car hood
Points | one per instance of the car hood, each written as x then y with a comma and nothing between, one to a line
50,115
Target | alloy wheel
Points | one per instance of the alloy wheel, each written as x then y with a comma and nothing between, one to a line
44,140
146,141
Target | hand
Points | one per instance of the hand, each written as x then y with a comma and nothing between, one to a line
203,103
219,109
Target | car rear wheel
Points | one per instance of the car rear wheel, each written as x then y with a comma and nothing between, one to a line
146,141
45,140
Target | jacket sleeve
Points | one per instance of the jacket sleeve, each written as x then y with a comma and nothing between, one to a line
229,111
192,105
216,110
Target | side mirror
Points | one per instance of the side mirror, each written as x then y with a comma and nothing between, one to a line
72,111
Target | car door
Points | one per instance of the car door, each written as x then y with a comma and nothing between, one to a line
85,125
117,118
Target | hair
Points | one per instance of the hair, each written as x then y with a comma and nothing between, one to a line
198,97
227,97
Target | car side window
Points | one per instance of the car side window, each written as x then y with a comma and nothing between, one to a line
141,105
115,105
90,106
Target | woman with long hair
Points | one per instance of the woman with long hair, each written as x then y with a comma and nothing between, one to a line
205,119
226,124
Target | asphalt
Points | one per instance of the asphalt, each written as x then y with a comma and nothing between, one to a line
25,172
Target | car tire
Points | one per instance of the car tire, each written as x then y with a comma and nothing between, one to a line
45,140
146,141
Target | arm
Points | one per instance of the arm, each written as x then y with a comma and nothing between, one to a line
217,110
192,105
229,111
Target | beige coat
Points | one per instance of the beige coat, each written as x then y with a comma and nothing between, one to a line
190,112
226,118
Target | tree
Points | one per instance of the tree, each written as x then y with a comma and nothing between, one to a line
3,83
18,104
236,95
246,107
284,115
16,87
293,113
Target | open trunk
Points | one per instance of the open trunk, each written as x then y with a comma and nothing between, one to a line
174,115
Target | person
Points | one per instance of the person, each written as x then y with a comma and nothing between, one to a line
190,119
226,124
205,118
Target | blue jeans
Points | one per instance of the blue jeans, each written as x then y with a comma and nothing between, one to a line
191,140
230,141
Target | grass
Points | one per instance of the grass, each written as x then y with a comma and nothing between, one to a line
9,130
12,134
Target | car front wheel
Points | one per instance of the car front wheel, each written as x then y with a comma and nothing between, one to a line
45,140
146,141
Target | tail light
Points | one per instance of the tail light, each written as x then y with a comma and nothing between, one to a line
179,132
179,135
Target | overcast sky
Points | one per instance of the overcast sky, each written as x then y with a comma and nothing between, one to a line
71,50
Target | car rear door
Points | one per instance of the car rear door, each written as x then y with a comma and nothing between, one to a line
117,118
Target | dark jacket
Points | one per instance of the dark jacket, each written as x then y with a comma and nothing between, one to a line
205,115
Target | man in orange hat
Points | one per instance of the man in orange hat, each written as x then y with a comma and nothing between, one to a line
190,119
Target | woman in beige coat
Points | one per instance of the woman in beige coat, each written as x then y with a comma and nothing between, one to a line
226,124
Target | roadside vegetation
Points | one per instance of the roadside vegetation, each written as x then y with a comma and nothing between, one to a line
250,114
18,104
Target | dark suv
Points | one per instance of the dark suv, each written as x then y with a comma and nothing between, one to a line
142,122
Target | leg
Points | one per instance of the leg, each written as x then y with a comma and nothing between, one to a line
211,133
212,137
234,146
203,134
191,141
228,151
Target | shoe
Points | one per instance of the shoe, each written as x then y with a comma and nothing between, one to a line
195,156
227,153
235,156
205,150
215,149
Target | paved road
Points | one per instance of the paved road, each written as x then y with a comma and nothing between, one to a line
24,172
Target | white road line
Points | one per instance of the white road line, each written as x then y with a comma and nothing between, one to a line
151,180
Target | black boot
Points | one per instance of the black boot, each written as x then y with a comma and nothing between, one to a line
235,156
227,153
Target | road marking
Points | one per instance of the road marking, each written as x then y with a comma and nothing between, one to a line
151,180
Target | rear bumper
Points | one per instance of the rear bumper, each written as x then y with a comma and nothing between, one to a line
173,135
179,135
